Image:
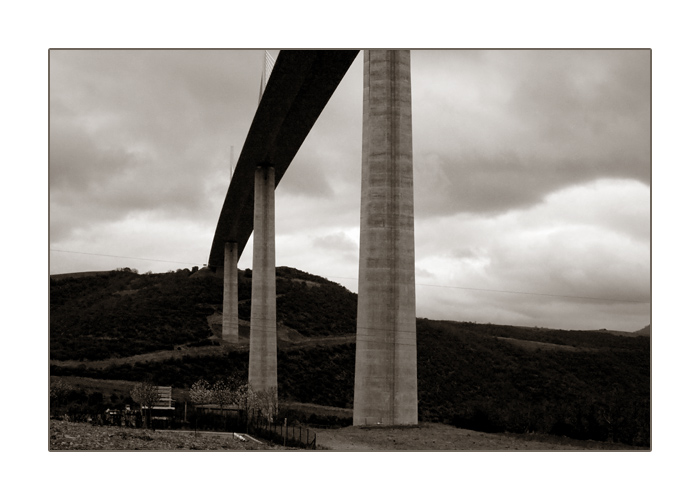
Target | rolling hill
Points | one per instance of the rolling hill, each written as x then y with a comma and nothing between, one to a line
128,327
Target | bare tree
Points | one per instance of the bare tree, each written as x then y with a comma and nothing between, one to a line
224,393
201,392
146,395
58,391
268,403
263,403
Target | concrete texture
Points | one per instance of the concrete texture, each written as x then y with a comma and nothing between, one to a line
385,369
262,372
230,316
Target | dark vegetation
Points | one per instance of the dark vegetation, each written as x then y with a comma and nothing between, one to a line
580,384
67,399
599,393
121,314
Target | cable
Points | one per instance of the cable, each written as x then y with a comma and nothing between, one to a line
123,257
603,299
516,292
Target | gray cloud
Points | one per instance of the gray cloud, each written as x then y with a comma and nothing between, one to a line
337,242
581,243
531,173
143,131
502,129
328,163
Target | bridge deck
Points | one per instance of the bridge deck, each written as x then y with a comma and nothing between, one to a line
301,84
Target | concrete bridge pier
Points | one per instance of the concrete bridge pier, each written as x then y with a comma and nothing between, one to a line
262,371
385,365
230,319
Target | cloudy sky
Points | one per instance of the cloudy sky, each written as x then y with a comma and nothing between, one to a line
531,170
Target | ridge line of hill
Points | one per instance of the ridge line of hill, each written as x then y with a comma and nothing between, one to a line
125,326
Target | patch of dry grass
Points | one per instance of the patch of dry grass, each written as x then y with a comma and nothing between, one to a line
440,437
73,436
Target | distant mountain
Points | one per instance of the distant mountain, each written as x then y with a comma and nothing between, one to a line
646,331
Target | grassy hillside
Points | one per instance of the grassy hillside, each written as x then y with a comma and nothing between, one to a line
585,385
120,313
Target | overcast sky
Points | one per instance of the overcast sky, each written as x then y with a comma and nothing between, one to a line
531,171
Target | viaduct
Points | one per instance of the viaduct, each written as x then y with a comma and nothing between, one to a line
299,87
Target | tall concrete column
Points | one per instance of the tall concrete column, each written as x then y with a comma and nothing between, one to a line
385,366
230,319
262,371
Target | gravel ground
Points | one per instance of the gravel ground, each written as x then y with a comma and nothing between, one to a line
440,437
82,436
426,437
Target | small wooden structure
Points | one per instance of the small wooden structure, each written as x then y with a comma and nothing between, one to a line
164,410
165,398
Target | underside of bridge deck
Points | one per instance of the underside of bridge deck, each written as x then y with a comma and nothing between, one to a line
298,89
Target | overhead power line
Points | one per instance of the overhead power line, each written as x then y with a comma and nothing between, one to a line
601,299
123,257
608,299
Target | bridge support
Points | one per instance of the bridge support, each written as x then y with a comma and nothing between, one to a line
385,366
230,319
262,370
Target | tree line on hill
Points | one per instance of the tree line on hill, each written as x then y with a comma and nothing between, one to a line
468,375
469,380
121,314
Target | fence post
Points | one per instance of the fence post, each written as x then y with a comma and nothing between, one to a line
285,432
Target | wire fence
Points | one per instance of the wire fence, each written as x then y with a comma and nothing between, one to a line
204,419
281,433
